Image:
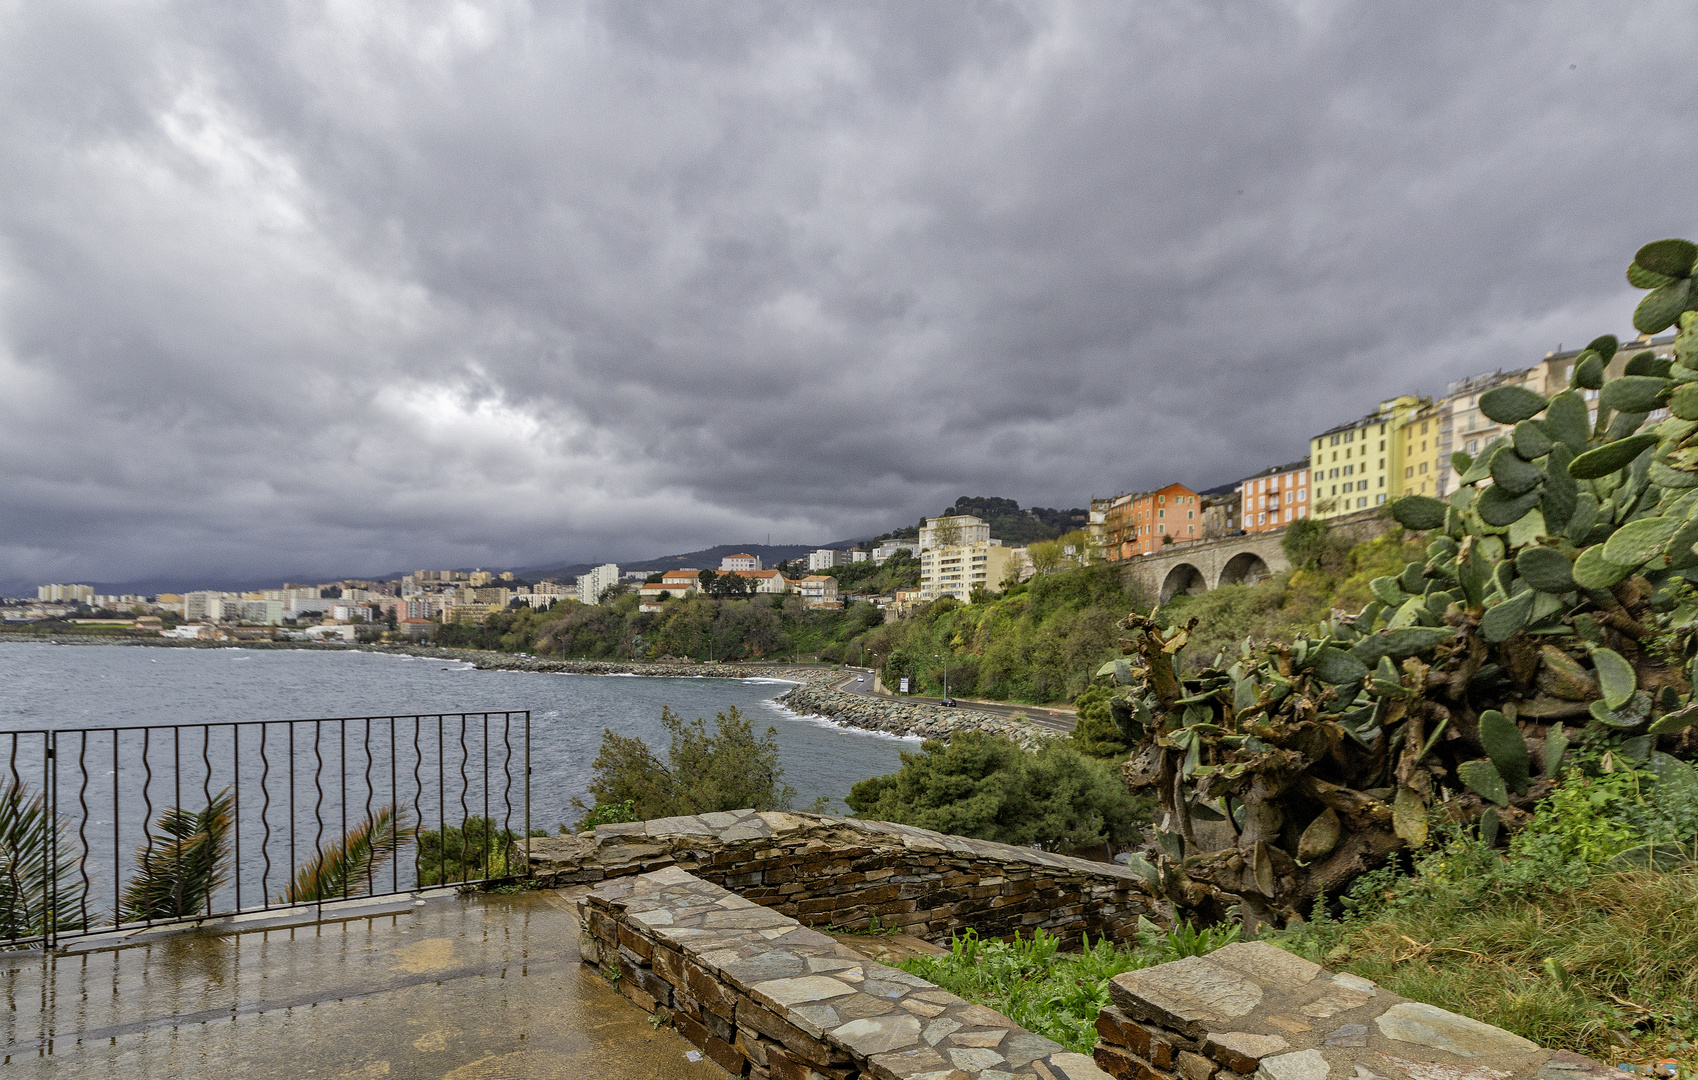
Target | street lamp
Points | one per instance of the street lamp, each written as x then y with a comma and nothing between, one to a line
945,658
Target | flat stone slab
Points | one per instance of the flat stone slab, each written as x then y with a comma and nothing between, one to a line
614,846
1253,1008
898,1025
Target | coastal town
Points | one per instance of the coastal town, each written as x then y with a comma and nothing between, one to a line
1402,447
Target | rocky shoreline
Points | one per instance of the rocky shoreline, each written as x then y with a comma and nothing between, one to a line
812,696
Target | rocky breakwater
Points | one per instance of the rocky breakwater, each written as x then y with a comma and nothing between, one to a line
817,697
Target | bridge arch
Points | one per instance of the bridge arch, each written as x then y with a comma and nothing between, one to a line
1183,578
1244,568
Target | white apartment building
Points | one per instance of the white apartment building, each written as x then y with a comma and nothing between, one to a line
958,570
887,548
207,606
826,558
739,562
65,594
1462,426
262,612
595,582
966,528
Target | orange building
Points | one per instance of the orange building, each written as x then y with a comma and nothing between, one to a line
1146,521
1274,498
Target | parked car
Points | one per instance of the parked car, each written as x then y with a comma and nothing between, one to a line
948,703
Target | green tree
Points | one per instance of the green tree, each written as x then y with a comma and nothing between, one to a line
986,787
1096,734
729,768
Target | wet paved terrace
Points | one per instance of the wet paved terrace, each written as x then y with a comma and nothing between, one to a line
457,988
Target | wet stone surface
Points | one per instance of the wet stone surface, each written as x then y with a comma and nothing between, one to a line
829,871
800,1004
1254,1009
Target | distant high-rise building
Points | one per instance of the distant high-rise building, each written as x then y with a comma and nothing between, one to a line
592,583
953,530
65,594
826,558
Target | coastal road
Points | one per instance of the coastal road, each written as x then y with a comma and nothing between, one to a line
861,682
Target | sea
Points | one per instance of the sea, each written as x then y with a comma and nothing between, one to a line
158,690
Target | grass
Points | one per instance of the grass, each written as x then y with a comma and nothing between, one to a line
1053,993
1608,969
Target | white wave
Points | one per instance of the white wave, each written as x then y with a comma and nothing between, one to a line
761,679
837,725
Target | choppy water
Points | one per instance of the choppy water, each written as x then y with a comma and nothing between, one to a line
80,687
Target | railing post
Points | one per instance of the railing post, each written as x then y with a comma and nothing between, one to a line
49,888
527,793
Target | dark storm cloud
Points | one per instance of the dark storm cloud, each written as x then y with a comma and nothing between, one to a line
314,289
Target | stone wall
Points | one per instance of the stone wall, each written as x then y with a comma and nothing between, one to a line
845,872
1252,1008
768,999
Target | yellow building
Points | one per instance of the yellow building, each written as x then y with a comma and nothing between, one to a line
959,569
1423,462
1351,465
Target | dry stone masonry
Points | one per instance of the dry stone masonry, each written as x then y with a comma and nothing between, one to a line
1252,1009
769,999
845,872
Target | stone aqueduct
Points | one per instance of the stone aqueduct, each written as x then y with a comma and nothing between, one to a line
1233,560
1209,564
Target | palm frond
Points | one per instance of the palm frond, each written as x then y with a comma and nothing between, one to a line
348,867
27,830
183,864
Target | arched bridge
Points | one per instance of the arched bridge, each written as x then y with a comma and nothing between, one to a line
1209,564
1236,560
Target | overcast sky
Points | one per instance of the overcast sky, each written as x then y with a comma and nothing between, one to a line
317,289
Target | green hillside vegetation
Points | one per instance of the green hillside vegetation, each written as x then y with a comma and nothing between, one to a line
695,627
1328,574
1041,641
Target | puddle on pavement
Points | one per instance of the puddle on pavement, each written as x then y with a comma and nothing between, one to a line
485,988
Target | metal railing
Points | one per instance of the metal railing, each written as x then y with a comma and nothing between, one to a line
96,836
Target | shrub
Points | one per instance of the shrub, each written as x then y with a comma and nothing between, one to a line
730,769
986,787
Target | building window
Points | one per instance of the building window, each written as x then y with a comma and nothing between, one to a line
1408,471
1302,496
1382,482
1379,500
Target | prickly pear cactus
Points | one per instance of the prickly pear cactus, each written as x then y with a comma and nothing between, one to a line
1556,595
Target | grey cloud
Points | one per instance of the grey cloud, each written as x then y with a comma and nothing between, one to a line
318,290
